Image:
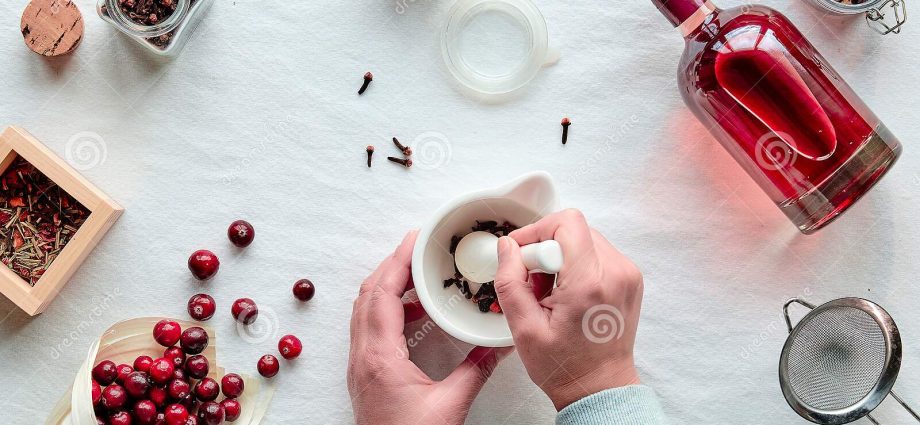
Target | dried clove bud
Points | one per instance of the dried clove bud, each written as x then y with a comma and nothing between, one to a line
368,77
370,154
407,151
566,122
404,162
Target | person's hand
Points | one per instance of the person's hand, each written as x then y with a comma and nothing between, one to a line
385,386
578,340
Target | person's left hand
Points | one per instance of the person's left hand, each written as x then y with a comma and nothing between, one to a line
385,386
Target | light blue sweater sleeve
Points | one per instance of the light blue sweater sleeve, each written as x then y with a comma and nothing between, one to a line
630,405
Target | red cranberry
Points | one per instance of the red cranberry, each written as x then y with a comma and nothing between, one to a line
268,366
203,264
142,363
100,421
192,420
241,233
123,371
244,310
158,396
114,397
190,402
304,290
161,419
100,409
175,355
166,333
180,374
97,393
178,389
137,384
210,413
105,372
207,389
145,412
232,385
232,409
161,370
120,418
197,366
201,307
289,347
176,414
194,340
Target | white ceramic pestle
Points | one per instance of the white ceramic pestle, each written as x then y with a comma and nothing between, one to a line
477,257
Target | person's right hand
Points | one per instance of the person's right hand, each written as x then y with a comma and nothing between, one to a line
579,340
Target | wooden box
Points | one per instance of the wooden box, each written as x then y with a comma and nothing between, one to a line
16,142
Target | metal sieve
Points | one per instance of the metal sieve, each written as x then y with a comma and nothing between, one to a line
840,361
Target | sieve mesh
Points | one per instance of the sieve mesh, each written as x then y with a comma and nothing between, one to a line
835,358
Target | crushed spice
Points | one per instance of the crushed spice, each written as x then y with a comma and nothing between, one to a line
37,220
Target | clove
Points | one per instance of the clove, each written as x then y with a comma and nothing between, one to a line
404,162
565,129
370,154
368,77
407,151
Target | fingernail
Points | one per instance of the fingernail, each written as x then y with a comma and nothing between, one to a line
503,244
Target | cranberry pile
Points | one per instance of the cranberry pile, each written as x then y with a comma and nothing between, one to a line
203,265
173,389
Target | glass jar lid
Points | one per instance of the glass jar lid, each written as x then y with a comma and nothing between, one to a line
494,47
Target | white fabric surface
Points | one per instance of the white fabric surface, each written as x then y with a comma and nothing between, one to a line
258,119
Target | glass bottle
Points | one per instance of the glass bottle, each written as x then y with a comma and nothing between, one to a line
779,109
165,38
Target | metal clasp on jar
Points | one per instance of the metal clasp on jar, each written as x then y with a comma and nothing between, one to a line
877,19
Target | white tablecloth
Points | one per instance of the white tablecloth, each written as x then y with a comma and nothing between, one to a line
258,119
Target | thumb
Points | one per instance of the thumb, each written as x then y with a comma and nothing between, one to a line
515,294
468,378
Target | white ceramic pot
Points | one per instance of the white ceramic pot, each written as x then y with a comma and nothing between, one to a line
522,201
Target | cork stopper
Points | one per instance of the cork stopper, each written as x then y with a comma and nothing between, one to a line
52,27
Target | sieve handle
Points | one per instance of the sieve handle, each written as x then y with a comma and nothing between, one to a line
906,407
786,310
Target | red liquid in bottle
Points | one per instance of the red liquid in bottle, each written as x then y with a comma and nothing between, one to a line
780,109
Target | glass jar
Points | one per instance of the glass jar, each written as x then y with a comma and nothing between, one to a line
884,16
166,38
